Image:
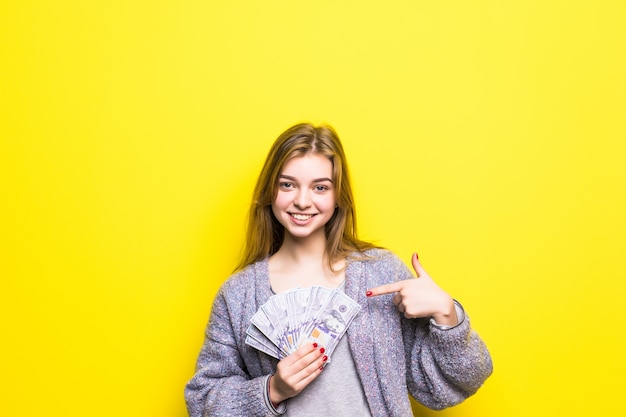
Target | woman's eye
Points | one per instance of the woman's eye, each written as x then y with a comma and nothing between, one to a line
286,185
321,188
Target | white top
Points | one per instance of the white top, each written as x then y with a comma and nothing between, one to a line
336,392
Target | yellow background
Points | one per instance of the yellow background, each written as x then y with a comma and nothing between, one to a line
488,136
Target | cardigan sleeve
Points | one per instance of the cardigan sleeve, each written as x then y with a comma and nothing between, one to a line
444,365
221,386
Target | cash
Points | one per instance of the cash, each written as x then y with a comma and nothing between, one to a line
302,315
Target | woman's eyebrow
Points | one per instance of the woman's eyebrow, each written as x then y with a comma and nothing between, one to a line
290,178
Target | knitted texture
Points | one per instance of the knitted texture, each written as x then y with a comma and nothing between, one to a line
442,367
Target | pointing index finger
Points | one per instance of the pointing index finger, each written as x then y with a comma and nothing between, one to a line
384,289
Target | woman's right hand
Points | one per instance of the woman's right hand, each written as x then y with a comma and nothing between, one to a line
296,371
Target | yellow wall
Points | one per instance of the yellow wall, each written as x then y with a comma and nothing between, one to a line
488,136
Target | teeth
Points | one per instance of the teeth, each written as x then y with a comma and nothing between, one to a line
302,216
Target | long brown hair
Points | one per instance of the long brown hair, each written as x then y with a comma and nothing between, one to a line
265,234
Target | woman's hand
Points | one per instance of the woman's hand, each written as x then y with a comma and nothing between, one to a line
420,297
296,371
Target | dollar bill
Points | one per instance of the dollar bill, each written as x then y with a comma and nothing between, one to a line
258,345
332,321
261,321
277,311
302,315
298,307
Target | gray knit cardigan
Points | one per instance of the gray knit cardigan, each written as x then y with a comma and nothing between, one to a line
393,355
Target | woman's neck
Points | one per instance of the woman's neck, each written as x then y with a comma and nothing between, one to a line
303,262
310,248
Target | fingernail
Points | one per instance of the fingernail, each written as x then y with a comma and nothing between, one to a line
325,358
322,368
417,256
368,293
314,344
322,350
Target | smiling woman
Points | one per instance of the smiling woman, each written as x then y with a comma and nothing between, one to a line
305,201
265,233
488,135
302,235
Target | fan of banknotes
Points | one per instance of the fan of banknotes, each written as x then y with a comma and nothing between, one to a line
302,315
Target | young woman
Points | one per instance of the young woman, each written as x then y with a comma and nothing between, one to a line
409,337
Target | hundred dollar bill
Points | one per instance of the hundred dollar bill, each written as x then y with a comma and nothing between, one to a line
298,307
276,310
292,318
270,350
256,339
262,322
318,298
332,320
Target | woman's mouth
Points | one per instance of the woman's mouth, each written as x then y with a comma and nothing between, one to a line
301,217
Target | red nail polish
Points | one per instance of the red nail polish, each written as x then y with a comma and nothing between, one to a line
322,350
368,293
314,344
322,368
416,256
325,358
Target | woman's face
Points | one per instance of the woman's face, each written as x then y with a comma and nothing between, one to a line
305,201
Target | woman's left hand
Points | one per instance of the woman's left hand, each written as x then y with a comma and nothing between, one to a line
420,297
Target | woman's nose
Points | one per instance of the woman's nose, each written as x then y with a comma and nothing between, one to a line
303,199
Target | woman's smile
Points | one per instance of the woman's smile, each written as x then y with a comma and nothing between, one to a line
301,217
